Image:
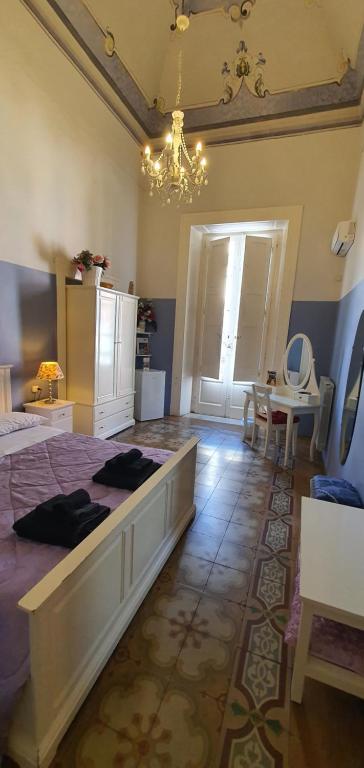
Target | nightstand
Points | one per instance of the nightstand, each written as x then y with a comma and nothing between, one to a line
58,414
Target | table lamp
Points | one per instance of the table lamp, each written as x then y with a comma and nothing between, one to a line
51,372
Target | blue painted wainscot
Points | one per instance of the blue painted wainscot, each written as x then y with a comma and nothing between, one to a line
28,324
349,311
317,319
162,349
162,344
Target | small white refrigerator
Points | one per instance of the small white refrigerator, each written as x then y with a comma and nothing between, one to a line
149,394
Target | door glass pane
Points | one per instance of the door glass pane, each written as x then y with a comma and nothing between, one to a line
252,311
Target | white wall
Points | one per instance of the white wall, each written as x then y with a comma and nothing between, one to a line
69,172
354,261
316,170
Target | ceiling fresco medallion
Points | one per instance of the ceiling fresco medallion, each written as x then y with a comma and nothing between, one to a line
247,69
240,11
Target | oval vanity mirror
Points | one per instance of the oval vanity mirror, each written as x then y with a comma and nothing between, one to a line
352,393
297,362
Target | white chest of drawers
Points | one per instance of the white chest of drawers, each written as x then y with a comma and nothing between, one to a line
58,414
106,419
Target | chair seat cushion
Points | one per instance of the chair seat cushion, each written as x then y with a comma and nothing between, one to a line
278,417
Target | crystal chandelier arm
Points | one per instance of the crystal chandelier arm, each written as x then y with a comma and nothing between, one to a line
185,151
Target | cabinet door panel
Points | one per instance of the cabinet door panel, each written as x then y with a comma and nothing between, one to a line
106,346
126,346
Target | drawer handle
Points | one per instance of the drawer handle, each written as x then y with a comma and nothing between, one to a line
101,412
62,414
101,427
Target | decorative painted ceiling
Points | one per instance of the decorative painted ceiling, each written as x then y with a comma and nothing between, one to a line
243,63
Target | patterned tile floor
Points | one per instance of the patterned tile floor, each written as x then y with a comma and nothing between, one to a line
201,677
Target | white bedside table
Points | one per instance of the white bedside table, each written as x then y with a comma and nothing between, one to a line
58,414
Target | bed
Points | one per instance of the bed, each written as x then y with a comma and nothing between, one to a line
76,613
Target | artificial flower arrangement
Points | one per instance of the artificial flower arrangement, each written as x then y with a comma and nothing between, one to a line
85,260
146,313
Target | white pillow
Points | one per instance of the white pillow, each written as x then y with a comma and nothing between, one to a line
12,422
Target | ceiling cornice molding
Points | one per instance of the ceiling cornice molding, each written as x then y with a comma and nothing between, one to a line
280,127
79,21
245,117
204,6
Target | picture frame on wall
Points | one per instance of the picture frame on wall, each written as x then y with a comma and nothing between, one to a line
143,346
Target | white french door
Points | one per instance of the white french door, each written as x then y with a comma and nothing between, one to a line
209,387
234,296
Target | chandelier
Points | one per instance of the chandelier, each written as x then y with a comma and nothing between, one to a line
174,174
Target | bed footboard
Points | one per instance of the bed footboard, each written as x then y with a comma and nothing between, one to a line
79,611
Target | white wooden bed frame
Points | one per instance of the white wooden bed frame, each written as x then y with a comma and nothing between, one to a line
79,610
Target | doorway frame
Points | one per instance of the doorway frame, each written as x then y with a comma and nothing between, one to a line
289,218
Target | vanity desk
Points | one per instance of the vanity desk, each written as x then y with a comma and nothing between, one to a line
299,395
292,407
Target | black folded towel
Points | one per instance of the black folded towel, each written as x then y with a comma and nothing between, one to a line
85,520
75,516
136,469
126,479
73,500
62,520
44,522
124,459
77,499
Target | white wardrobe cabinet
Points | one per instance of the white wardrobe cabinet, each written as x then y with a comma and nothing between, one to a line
101,329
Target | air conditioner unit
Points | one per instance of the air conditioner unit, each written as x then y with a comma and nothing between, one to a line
343,238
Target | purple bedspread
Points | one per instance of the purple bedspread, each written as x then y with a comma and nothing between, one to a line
58,465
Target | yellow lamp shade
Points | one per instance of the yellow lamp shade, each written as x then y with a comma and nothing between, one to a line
50,370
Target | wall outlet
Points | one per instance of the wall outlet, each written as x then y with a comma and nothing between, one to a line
36,389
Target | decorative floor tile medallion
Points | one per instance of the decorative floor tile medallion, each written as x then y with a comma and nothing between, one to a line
201,677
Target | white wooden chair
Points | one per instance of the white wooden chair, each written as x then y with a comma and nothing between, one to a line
268,420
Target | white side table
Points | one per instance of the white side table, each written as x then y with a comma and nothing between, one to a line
331,585
58,414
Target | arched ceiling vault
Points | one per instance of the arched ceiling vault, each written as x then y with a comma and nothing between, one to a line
246,66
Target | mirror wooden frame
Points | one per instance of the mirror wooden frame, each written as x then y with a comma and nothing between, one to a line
310,368
358,349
